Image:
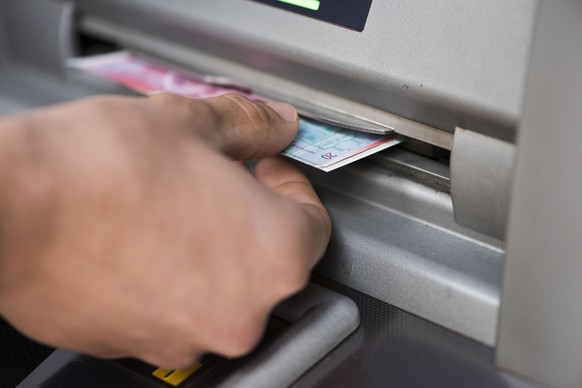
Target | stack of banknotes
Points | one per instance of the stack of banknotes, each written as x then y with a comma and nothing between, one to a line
319,145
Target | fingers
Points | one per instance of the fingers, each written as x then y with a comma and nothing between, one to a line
286,180
238,127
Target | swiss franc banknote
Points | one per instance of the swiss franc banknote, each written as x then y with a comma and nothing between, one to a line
322,146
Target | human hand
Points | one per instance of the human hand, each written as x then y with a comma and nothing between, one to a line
128,228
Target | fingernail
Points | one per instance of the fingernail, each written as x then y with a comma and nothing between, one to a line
286,111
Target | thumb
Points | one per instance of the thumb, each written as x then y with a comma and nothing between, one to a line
241,128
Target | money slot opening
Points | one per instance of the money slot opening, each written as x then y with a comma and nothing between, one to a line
83,43
428,167
89,44
93,39
186,51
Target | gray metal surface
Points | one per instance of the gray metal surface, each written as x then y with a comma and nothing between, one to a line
415,167
540,332
393,348
35,37
3,41
3,50
320,319
23,88
39,33
459,63
397,240
481,172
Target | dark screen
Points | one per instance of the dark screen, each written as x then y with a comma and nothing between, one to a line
347,13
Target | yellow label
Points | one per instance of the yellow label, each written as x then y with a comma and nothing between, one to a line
176,377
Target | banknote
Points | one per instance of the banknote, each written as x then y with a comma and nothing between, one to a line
148,77
319,145
327,147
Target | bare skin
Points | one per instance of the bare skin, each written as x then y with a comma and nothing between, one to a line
127,228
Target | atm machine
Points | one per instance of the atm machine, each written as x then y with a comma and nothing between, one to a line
456,258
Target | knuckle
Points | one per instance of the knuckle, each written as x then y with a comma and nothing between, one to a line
255,116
